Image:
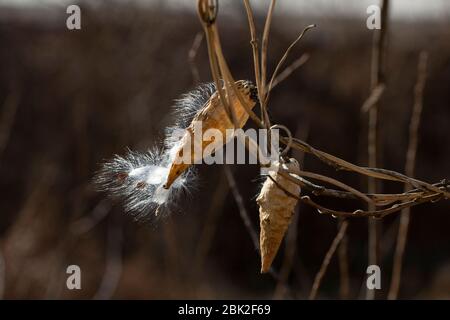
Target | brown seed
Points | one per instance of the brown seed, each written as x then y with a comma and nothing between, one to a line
141,185
121,176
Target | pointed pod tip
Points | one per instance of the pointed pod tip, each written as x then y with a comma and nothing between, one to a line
266,263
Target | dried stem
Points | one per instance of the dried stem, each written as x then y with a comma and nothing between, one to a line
219,67
255,49
409,170
290,69
373,98
371,172
359,213
424,190
242,210
379,199
417,191
265,45
231,83
283,59
437,191
334,182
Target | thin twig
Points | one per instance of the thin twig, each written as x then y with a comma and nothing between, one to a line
241,206
373,98
409,170
290,69
437,193
332,181
379,199
283,59
226,74
265,44
327,259
371,213
192,54
336,162
378,173
359,213
255,49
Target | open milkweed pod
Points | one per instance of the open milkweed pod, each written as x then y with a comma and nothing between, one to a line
276,208
211,116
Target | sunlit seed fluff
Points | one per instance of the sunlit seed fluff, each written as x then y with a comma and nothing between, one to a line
276,208
137,179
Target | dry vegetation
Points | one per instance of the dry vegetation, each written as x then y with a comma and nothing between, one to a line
70,100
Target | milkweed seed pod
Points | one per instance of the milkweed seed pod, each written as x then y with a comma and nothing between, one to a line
276,208
153,181
211,116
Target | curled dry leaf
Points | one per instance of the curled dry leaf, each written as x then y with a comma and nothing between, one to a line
212,116
276,208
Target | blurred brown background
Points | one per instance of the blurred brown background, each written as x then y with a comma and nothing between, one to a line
71,99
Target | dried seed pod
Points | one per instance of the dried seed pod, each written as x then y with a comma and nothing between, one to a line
153,182
211,116
276,208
